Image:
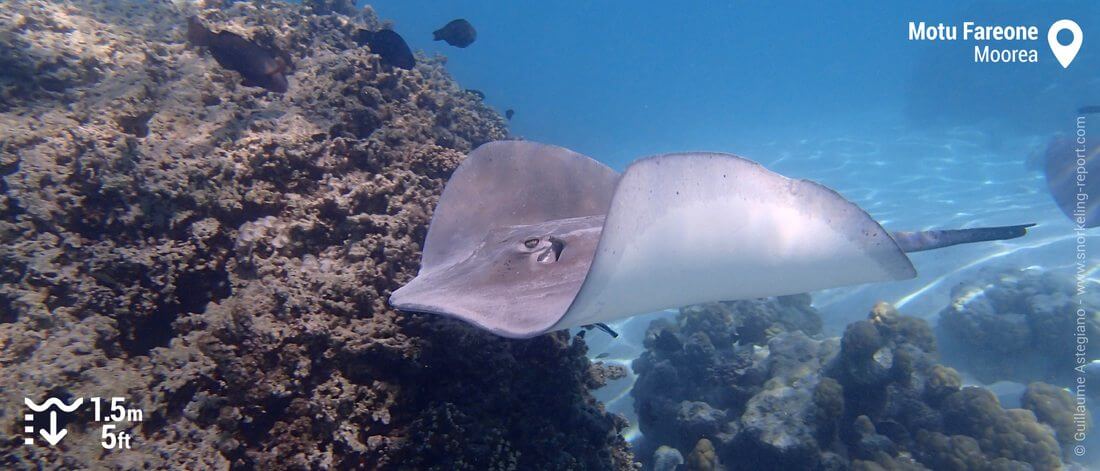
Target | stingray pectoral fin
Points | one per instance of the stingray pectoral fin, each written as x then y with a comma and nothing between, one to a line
518,282
699,227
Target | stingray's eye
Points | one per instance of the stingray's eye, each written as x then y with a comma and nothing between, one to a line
553,253
531,243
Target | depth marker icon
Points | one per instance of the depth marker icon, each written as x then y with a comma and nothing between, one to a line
52,435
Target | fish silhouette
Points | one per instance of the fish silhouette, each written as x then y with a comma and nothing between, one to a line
389,45
458,33
260,66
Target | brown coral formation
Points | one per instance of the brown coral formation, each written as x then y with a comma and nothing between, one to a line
221,256
877,399
1055,406
1024,315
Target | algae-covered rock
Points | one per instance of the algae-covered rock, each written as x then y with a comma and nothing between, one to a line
1012,434
703,457
667,458
1055,407
829,398
942,381
221,255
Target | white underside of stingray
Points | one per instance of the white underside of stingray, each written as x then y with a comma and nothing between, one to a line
529,238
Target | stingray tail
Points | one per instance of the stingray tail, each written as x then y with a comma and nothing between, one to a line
917,241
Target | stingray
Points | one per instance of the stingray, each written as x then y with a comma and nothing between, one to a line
1073,179
530,238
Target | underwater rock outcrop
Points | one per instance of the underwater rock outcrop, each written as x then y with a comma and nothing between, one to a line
221,255
874,399
1028,316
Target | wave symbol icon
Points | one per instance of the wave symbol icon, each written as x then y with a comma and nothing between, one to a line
54,402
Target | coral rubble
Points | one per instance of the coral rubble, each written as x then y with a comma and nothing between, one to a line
221,255
875,399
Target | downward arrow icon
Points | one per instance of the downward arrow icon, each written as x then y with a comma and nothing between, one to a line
53,435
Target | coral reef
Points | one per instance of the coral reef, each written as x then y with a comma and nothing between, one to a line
874,399
1055,406
221,255
1029,316
667,458
703,457
696,369
753,321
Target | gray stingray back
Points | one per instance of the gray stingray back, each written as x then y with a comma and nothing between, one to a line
511,183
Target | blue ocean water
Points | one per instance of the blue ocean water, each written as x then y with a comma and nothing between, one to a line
915,132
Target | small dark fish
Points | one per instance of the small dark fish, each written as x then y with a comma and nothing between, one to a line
260,66
476,93
605,328
391,46
1091,109
458,33
600,326
602,356
508,113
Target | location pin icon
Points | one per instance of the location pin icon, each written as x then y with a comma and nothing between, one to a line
1065,52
